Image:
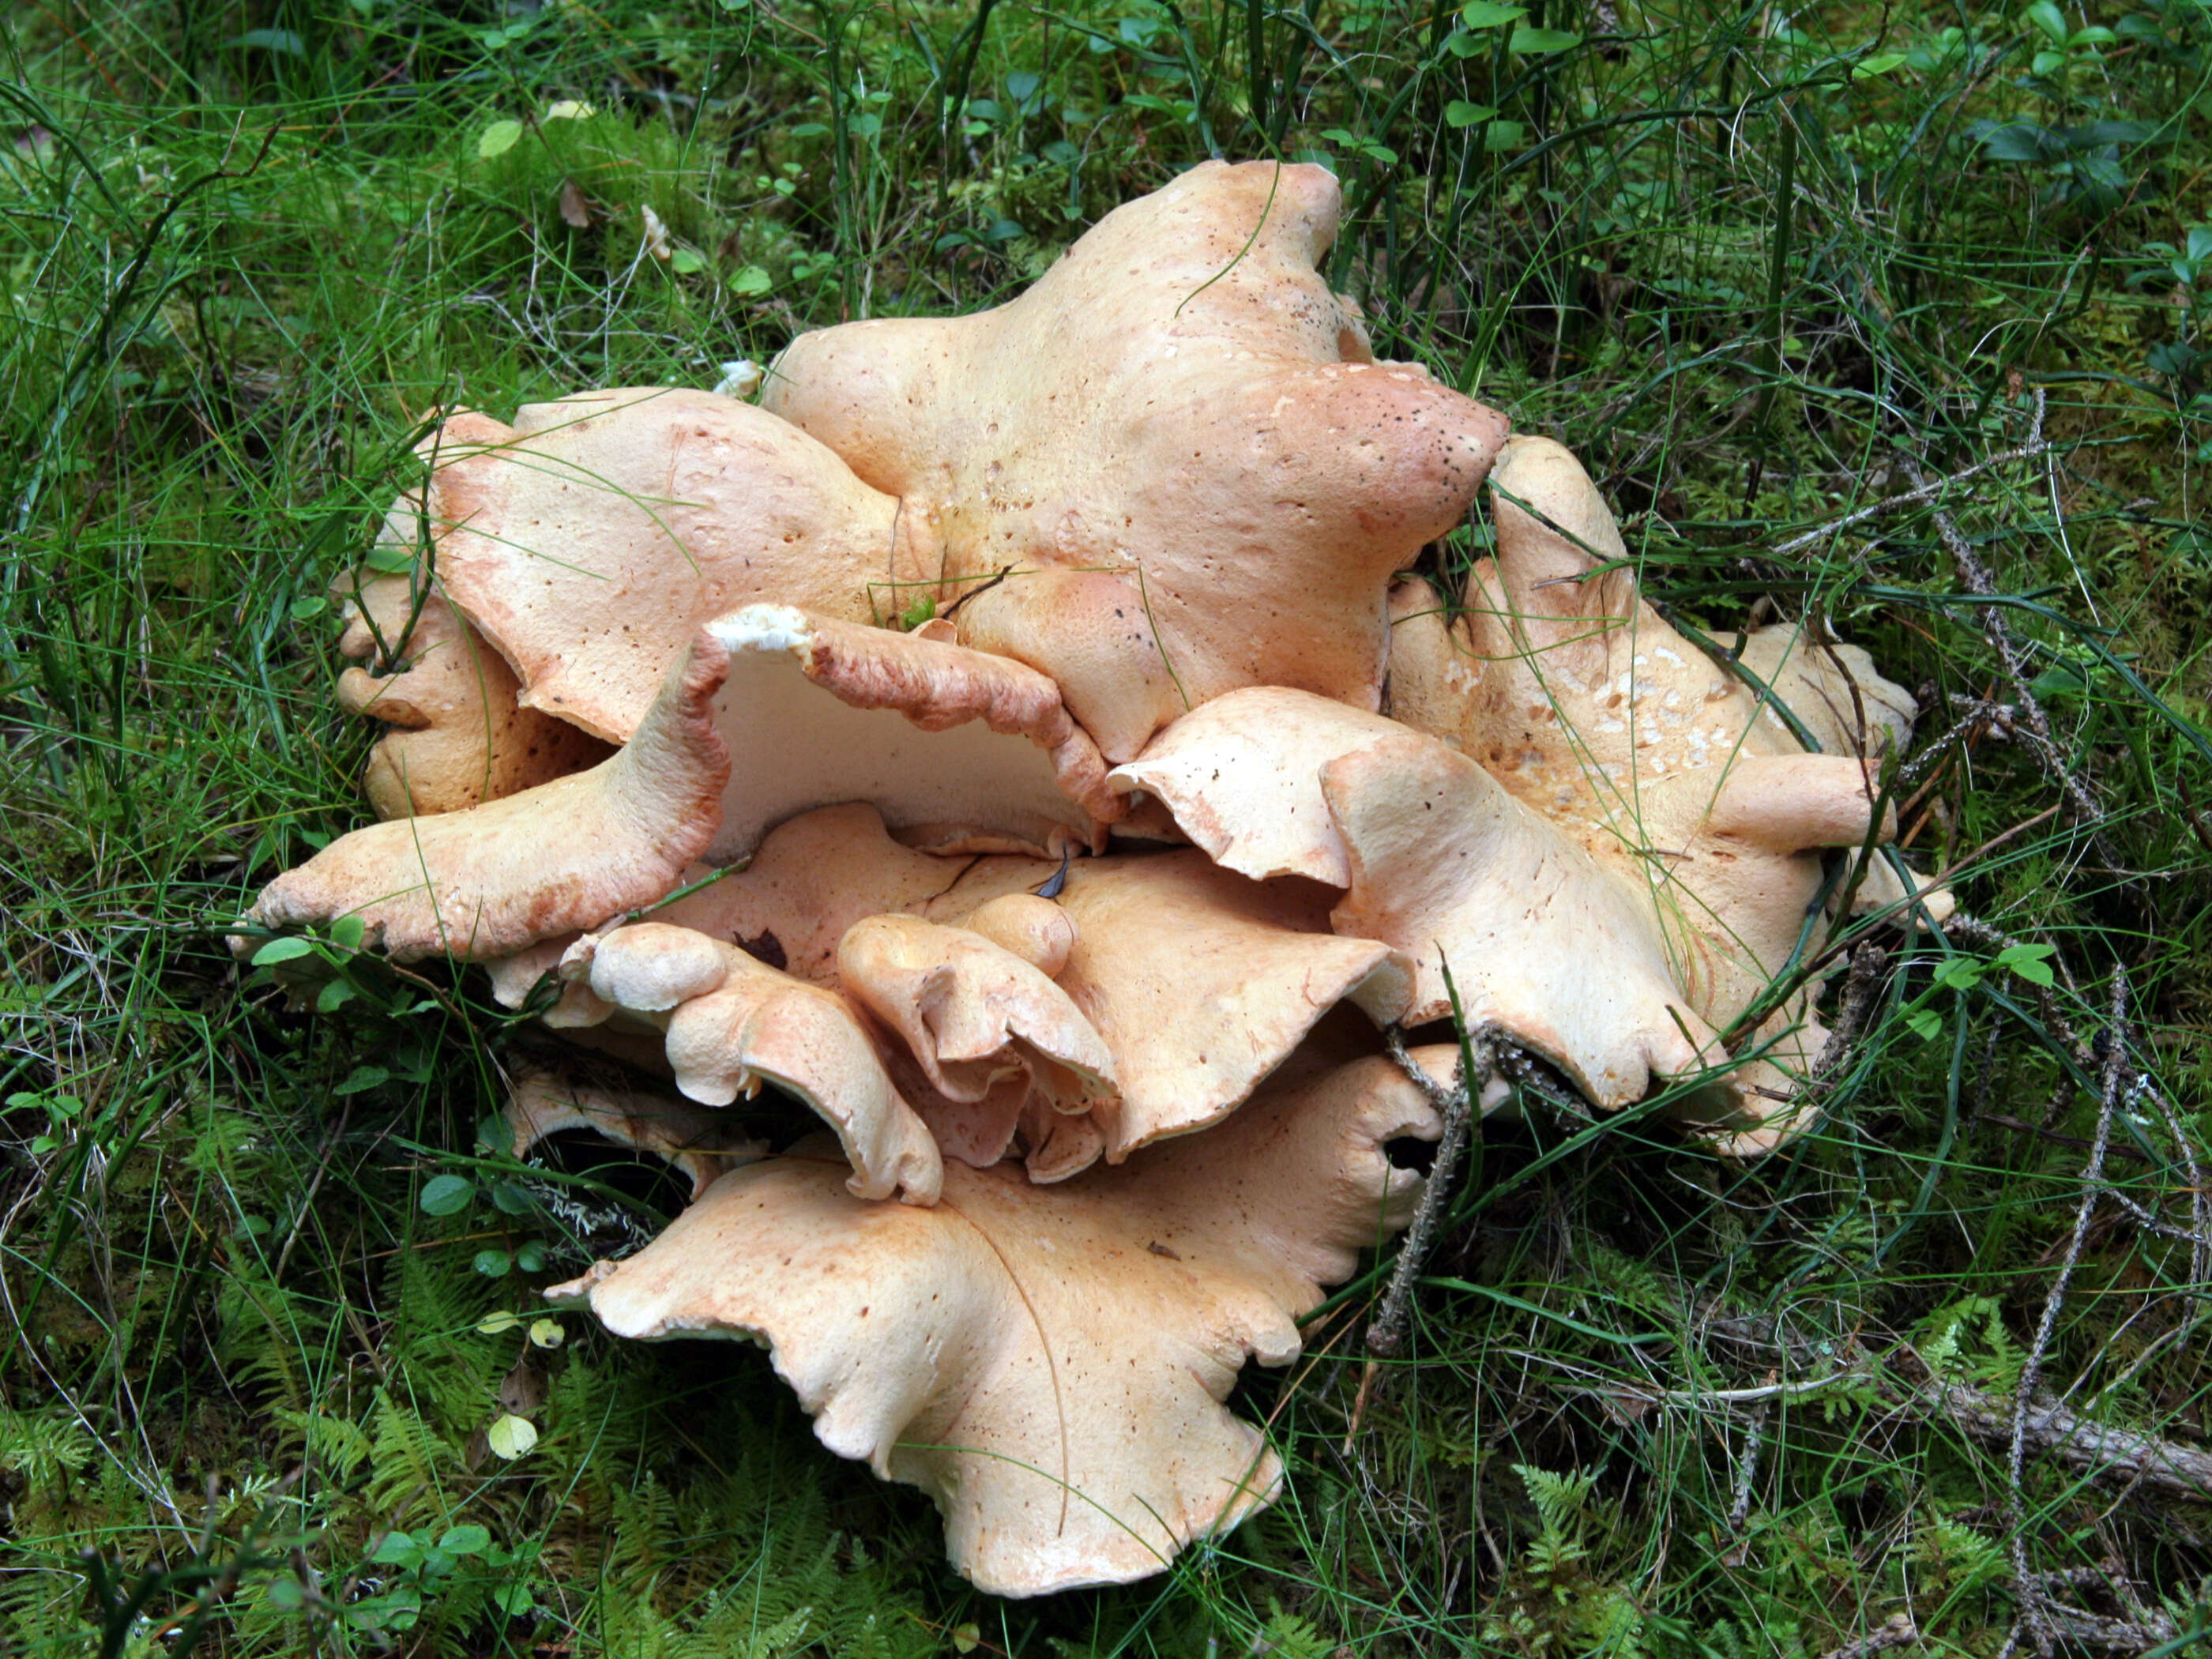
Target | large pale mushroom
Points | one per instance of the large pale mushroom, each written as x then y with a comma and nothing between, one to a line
1048,1363
1177,447
1160,498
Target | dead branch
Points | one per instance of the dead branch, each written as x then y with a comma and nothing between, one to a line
1386,1334
1899,1632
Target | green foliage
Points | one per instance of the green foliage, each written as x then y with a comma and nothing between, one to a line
270,1321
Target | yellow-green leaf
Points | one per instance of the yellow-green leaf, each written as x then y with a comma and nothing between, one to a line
499,137
511,1437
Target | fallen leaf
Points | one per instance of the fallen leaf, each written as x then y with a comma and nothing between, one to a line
511,1437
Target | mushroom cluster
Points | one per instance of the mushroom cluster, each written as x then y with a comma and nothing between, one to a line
1016,741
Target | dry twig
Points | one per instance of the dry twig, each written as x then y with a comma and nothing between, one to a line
1386,1333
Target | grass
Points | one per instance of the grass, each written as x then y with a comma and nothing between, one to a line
1755,268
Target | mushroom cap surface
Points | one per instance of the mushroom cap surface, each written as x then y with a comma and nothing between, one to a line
1048,1363
772,713
591,540
1199,981
455,735
1174,445
1576,695
727,1032
495,879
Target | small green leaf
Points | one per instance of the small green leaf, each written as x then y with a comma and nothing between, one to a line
2047,17
1482,14
398,1549
508,1197
447,1195
1926,1024
511,1437
531,1258
496,1324
1541,40
2020,141
333,997
362,1078
687,262
1959,974
547,1333
347,933
750,282
494,1264
1881,64
1460,113
1460,43
468,1539
308,606
388,559
282,949
2029,961
499,137
514,1599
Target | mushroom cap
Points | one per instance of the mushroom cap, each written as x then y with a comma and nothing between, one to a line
1200,981
1834,689
1666,767
590,540
699,1143
1175,443
1539,942
972,1013
1543,941
950,743
1038,930
493,879
953,745
454,736
1241,776
1049,1364
812,876
751,1024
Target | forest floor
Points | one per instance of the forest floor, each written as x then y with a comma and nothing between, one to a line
1765,271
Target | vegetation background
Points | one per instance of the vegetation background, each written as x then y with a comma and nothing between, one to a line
266,1335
